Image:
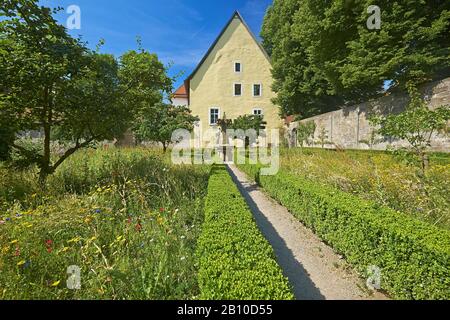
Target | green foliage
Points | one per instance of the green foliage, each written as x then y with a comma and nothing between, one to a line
248,122
323,137
305,131
127,218
7,136
416,125
414,257
52,82
236,262
159,123
324,55
379,176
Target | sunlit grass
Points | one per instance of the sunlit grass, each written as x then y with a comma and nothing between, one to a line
127,218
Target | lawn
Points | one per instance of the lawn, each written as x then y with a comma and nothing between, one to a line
127,218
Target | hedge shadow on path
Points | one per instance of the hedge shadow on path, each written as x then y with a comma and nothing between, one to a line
303,287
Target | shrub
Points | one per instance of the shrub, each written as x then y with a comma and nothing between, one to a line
414,256
236,261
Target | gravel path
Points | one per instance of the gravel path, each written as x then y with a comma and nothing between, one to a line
315,271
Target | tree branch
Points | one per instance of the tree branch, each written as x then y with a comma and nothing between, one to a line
71,151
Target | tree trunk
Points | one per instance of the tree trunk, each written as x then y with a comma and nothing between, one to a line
47,121
425,162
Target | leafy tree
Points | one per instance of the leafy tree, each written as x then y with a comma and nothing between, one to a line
416,125
7,136
324,56
160,121
301,87
372,140
323,137
54,83
247,122
305,131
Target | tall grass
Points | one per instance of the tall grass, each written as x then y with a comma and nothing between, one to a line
127,218
380,177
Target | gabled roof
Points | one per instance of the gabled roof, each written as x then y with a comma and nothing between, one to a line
181,92
236,14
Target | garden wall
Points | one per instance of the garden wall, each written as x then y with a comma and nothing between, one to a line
349,128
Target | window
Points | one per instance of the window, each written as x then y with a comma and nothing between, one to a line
257,90
213,116
237,67
238,89
257,112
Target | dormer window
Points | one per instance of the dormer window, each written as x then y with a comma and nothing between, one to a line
237,67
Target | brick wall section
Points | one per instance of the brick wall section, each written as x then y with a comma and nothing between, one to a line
347,128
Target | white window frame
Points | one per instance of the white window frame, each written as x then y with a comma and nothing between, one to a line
209,115
234,89
257,109
234,66
260,89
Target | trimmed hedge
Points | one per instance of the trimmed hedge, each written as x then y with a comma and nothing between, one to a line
414,256
235,260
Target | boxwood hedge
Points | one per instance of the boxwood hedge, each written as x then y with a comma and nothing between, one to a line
414,257
235,260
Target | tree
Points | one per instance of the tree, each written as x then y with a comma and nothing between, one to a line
323,136
7,136
301,87
54,83
416,125
160,121
324,56
246,122
372,140
305,131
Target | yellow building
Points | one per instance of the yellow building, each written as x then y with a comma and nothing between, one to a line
234,77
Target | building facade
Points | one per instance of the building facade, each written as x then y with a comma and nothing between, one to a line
233,78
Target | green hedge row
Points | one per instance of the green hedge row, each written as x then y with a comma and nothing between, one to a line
235,260
414,257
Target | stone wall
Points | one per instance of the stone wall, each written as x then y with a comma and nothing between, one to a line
349,128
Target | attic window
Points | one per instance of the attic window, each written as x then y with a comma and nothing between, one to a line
237,67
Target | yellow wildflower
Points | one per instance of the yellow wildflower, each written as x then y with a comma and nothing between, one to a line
14,241
74,240
21,263
56,283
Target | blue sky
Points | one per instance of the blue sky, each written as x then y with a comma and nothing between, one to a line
179,31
